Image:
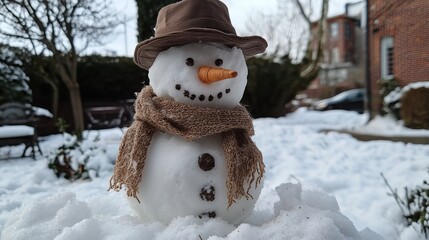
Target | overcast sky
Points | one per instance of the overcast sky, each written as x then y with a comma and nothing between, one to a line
240,10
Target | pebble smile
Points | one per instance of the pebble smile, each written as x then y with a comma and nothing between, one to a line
201,97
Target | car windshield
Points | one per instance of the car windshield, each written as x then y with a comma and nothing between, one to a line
346,94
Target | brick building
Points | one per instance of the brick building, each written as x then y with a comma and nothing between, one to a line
398,43
343,63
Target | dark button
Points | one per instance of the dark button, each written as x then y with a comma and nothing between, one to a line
206,162
208,193
207,214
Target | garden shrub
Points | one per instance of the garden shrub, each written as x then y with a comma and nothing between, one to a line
414,206
101,79
414,108
13,80
272,84
77,158
389,90
109,79
62,160
417,207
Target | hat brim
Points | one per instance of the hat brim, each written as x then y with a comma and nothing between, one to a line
146,51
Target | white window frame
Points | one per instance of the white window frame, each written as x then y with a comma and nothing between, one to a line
386,44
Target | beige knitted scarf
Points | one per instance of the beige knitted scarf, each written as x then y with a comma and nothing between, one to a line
153,113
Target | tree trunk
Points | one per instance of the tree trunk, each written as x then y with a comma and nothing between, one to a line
68,73
55,100
76,103
319,37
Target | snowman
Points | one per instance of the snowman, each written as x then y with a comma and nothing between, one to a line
188,150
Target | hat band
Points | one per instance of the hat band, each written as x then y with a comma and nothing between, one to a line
196,23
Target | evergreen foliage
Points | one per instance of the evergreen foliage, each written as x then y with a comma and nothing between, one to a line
388,90
415,206
109,78
76,158
272,84
101,79
61,160
147,11
13,80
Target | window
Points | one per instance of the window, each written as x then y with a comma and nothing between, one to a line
335,55
347,31
387,58
349,57
334,30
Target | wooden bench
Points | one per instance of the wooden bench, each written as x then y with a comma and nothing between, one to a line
18,125
105,117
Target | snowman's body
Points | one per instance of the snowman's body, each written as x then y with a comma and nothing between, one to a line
189,177
174,184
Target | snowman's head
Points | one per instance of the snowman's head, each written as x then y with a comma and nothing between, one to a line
184,73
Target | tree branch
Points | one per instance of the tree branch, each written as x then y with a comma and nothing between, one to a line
302,11
313,67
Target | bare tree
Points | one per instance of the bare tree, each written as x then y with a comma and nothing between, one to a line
284,30
288,30
292,62
61,29
317,37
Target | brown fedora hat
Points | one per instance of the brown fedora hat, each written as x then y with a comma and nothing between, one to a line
192,21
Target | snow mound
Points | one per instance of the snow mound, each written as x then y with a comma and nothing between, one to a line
388,126
335,119
289,212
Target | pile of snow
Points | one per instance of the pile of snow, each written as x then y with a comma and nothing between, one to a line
388,126
423,84
41,112
396,95
317,186
297,214
9,131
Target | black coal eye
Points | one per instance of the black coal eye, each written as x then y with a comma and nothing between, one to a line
219,62
190,62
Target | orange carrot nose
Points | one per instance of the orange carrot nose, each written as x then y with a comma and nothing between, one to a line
211,74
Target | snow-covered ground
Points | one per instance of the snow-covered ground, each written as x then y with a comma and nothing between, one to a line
307,173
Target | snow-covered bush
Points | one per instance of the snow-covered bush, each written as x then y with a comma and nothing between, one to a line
414,206
414,107
75,159
389,91
13,80
417,207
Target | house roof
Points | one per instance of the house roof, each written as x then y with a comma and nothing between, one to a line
335,19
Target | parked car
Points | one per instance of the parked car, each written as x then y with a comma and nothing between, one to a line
348,100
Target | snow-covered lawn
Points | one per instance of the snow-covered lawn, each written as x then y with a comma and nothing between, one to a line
307,173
